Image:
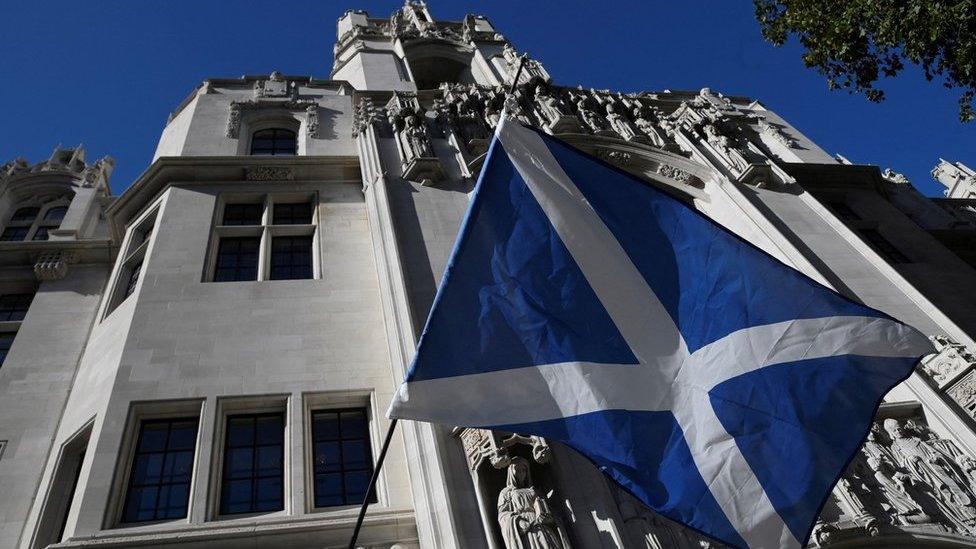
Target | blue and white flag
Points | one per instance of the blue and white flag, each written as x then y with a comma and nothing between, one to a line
723,389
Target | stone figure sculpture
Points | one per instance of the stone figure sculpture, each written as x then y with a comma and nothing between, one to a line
417,140
548,105
934,466
644,120
894,488
620,124
524,516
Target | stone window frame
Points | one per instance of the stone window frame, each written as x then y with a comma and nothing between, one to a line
274,116
15,287
148,411
135,247
265,232
44,203
243,405
62,491
332,400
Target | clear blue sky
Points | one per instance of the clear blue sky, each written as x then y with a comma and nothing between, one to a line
107,73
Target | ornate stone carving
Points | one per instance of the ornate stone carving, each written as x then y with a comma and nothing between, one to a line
951,359
646,529
365,116
463,112
71,161
268,173
892,176
52,265
276,86
238,108
524,516
964,392
933,462
531,69
645,118
418,161
906,477
674,173
775,131
551,111
591,120
617,158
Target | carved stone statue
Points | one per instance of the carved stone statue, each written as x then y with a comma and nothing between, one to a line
644,120
591,119
548,106
524,516
722,142
934,466
417,140
894,487
620,124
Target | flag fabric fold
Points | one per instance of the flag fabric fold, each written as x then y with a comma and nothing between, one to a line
723,389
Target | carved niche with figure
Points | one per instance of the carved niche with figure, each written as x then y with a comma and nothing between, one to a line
515,509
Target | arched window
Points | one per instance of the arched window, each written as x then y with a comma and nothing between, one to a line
34,222
273,142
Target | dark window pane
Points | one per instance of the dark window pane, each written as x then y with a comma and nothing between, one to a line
6,340
354,454
14,234
243,214
291,257
329,490
269,494
253,474
159,480
40,234
884,247
326,426
130,285
13,307
342,459
273,142
56,213
328,456
25,214
843,211
293,214
237,259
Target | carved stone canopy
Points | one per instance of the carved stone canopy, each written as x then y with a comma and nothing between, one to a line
238,108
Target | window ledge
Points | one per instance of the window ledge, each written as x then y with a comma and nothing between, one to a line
335,526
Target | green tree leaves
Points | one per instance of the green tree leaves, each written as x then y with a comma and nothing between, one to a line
854,43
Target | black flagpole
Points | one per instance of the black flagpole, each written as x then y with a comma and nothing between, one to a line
518,73
393,422
372,482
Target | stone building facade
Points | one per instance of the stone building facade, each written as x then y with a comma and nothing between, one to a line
205,360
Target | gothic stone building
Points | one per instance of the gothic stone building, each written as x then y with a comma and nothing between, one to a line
205,360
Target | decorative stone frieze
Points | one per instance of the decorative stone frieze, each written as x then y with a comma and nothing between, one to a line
904,479
952,370
674,173
268,173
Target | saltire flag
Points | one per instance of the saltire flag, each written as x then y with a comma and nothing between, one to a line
723,389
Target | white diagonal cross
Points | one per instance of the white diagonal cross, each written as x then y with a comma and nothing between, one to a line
667,377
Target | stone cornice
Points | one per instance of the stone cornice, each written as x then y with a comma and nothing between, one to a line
223,169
